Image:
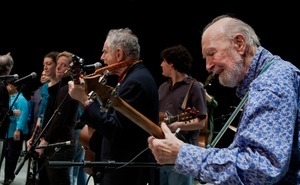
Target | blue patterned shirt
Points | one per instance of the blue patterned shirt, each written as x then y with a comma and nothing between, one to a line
266,148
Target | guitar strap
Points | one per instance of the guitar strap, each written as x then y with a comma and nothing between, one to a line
183,106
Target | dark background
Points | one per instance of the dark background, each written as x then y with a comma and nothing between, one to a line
30,30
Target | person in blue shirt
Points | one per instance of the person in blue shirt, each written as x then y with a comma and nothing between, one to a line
37,97
49,70
265,149
17,131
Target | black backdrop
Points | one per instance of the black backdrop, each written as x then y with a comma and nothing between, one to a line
30,30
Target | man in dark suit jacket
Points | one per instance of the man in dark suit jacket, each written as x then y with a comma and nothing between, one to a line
123,140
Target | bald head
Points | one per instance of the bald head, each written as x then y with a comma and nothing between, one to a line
228,26
217,25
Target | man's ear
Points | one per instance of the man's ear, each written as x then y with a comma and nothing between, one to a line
240,44
120,54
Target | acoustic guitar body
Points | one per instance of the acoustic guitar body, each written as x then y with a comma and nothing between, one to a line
84,139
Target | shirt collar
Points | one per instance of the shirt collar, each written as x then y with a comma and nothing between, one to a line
260,59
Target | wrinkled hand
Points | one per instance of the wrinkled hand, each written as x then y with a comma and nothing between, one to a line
165,150
77,91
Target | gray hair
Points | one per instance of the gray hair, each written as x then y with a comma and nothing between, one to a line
6,64
125,40
234,26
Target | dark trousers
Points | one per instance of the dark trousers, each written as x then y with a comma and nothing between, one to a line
41,171
61,175
12,152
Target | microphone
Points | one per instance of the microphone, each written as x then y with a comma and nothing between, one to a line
94,66
59,144
15,76
208,80
32,75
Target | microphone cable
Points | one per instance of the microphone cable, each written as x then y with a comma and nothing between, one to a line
124,165
176,133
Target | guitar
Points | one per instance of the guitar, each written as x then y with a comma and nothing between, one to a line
87,132
204,134
97,83
187,115
76,70
84,139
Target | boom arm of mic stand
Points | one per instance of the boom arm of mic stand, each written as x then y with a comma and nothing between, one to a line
34,145
28,154
107,164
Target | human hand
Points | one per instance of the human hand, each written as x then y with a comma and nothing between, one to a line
17,135
165,150
40,151
38,122
16,113
77,91
28,144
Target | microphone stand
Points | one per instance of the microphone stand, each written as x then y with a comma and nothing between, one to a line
31,152
32,181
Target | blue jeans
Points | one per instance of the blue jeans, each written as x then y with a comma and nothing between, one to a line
168,176
77,173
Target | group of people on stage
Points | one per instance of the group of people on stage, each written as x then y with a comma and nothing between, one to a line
130,122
